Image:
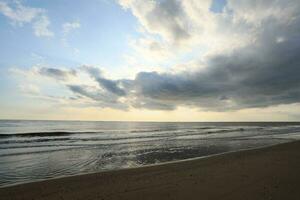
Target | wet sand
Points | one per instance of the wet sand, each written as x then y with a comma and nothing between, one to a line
266,173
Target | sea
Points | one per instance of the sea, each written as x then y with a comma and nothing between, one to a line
39,150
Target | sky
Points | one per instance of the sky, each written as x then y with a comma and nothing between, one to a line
150,60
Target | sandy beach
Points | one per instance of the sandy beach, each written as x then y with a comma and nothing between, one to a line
266,173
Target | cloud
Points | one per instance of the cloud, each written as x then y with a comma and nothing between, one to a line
255,12
251,58
55,73
111,86
249,77
41,27
30,89
20,15
86,84
70,26
176,30
100,98
261,72
164,17
37,72
67,28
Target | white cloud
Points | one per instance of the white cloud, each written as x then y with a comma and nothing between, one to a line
20,15
67,28
70,26
173,29
41,27
30,89
256,11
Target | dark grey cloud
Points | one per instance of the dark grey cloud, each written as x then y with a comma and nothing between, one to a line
101,99
163,17
56,73
264,73
86,91
107,84
169,14
111,86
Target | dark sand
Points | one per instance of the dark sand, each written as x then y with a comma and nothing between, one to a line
267,173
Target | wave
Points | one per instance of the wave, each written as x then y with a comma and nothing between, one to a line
45,138
64,148
151,130
33,141
209,129
46,134
169,133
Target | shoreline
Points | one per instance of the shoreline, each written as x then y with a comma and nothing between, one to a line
128,184
150,165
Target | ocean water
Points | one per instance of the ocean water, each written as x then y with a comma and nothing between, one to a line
39,150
